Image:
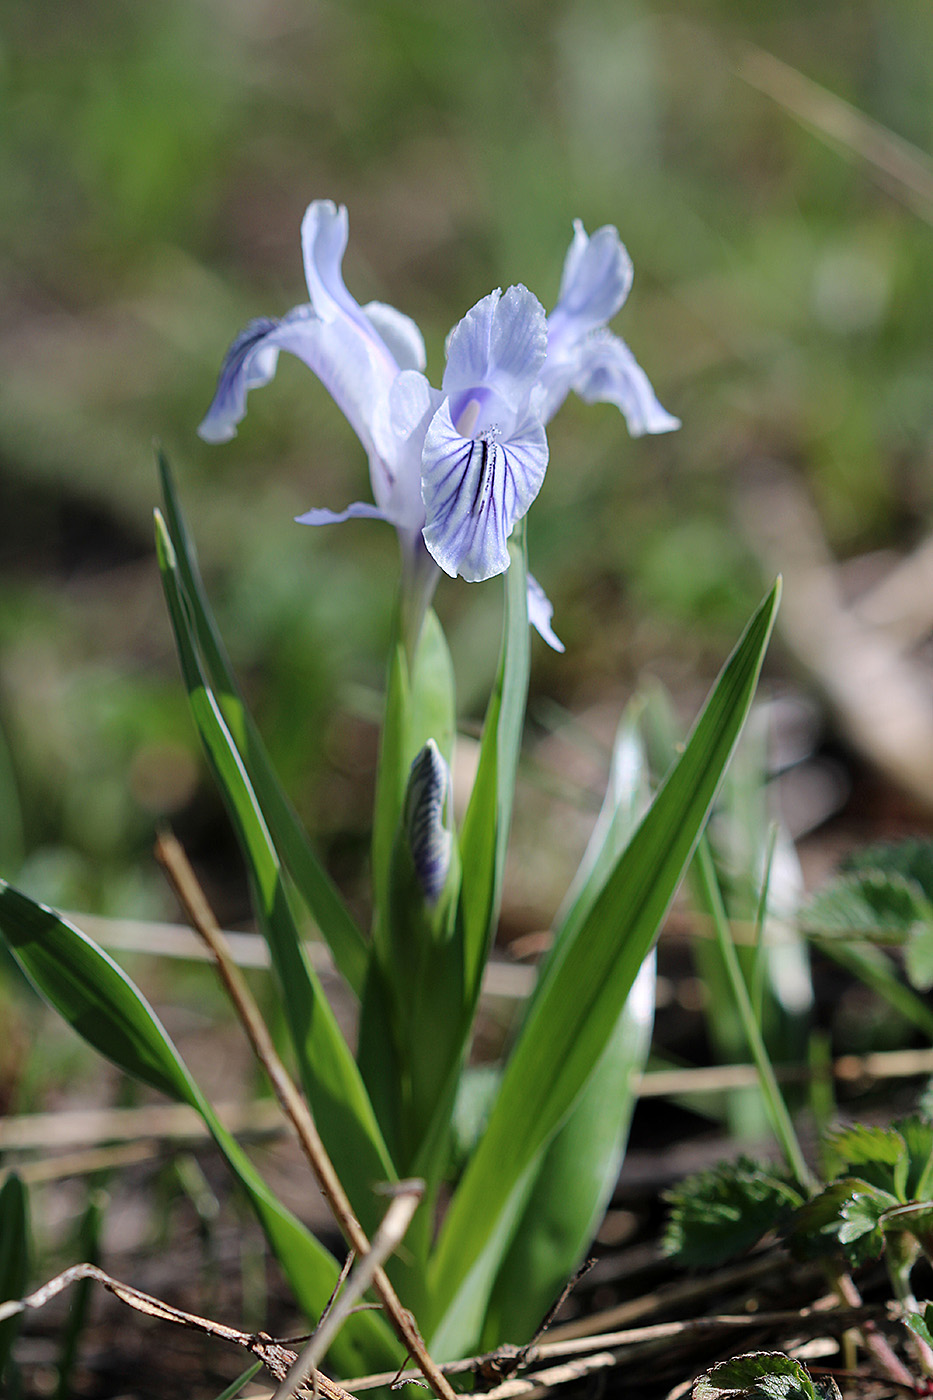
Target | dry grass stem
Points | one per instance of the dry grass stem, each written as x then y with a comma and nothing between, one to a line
175,863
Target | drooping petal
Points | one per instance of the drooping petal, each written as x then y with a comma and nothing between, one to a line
429,840
596,280
540,612
474,491
498,347
359,510
606,371
251,362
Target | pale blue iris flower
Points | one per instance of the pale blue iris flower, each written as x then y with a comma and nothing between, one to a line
453,469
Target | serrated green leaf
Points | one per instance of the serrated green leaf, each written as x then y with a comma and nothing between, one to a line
718,1214
758,1375
15,1251
324,903
917,1133
331,1079
884,906
584,984
845,1217
874,1154
99,1001
912,859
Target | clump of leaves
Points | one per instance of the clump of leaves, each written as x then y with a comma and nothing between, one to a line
879,1200
763,1375
717,1214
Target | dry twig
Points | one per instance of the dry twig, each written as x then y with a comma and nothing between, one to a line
183,880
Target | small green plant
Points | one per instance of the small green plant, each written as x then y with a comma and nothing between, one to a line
763,1375
454,470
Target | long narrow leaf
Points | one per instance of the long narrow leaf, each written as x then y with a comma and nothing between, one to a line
584,985
488,817
337,925
99,1001
331,1079
580,1166
14,1256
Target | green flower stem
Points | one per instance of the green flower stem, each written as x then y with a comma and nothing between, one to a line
775,1106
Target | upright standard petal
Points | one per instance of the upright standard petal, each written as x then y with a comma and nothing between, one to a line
495,354
475,489
596,280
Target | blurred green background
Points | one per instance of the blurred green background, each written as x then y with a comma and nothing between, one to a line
155,162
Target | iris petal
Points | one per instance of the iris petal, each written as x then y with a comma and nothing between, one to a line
596,280
540,612
474,490
251,362
606,371
499,346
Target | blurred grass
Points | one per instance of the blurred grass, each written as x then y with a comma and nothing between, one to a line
155,162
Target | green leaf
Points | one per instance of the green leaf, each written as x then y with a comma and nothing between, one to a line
874,1154
485,834
331,1079
580,1167
758,1375
397,1038
334,920
884,906
917,1133
922,1324
582,989
578,1173
14,1256
98,1000
718,1214
846,1217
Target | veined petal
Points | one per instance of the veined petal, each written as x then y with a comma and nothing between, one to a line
474,490
596,280
249,363
540,612
606,371
499,346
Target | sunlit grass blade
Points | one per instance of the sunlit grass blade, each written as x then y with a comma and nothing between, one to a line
576,1178
485,834
583,986
339,929
14,1257
91,993
329,1073
580,1166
